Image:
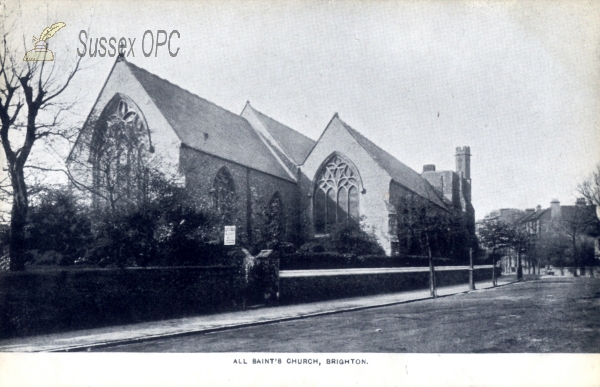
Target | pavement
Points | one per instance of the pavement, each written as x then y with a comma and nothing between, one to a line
98,338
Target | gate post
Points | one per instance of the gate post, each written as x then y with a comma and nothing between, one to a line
269,262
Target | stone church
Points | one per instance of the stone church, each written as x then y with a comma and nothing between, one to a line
310,185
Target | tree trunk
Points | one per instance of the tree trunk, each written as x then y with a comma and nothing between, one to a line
471,279
432,287
519,267
493,269
18,220
575,257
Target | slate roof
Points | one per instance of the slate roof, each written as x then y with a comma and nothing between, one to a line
399,172
575,211
206,127
568,211
531,216
295,144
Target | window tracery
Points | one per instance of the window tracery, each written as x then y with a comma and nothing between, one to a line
118,151
336,196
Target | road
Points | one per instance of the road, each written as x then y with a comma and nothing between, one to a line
547,315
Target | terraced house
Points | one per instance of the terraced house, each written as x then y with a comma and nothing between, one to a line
254,166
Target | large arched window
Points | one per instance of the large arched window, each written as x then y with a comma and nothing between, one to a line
336,196
119,150
223,191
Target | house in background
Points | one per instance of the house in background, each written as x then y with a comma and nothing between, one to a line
242,164
573,223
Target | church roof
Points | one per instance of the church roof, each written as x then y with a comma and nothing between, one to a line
295,145
399,172
209,128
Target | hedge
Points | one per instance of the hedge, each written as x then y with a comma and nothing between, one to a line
33,303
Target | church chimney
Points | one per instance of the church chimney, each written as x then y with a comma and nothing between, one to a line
429,168
555,208
463,162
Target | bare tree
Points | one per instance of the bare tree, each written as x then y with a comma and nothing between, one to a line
29,112
590,189
577,224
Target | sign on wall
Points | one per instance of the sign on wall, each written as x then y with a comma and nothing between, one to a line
229,236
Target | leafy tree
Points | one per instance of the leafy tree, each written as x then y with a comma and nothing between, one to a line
58,223
169,227
577,224
426,229
494,236
552,249
519,240
268,221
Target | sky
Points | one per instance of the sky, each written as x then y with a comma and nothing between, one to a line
518,82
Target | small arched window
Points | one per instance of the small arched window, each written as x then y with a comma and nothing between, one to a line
336,196
224,196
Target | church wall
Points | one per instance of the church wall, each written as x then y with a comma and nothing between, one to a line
446,182
262,189
374,200
251,186
164,139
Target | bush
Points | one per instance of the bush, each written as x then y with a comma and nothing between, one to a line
352,238
157,234
321,260
586,253
311,247
57,230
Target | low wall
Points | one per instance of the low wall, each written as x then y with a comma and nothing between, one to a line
297,286
33,303
588,271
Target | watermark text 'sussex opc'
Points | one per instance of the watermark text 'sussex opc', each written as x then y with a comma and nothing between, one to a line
126,47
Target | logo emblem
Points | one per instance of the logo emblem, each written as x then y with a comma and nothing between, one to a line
40,51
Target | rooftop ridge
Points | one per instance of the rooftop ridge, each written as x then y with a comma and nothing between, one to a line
377,146
181,88
361,137
169,98
271,118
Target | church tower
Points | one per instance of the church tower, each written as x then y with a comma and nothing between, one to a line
463,162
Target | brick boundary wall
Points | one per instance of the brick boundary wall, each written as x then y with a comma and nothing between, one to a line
296,286
34,303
